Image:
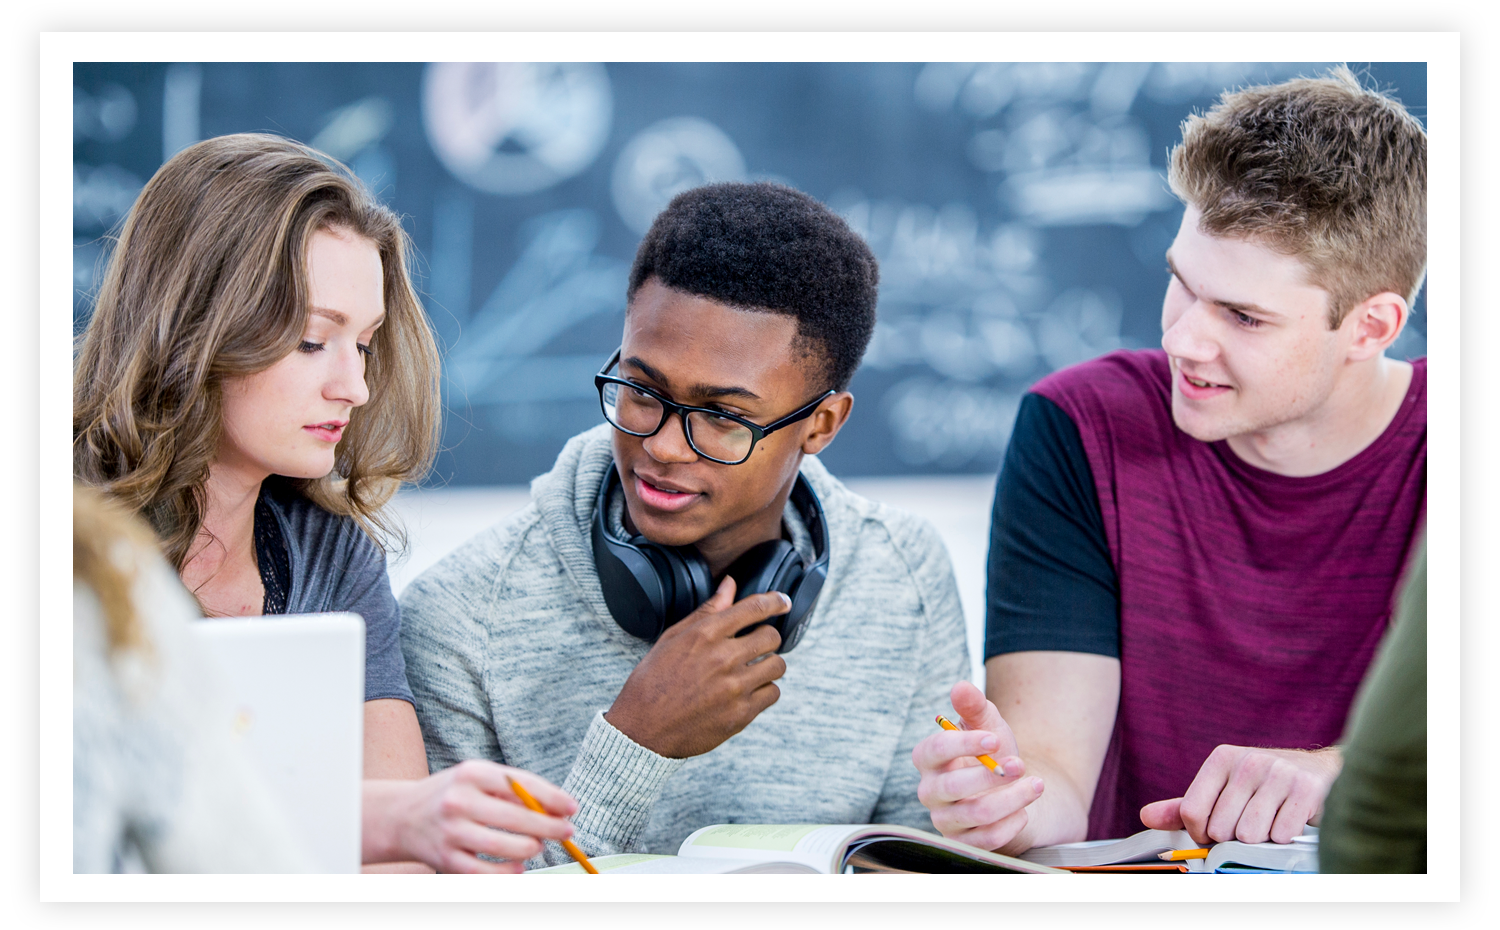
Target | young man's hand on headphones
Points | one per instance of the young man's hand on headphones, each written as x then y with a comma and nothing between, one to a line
701,683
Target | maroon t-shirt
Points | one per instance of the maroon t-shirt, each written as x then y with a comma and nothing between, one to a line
1250,603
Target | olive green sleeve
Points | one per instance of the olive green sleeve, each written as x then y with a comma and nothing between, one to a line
1375,818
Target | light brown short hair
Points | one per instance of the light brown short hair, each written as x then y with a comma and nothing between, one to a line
209,281
1322,169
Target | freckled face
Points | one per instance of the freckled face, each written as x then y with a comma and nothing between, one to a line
288,419
1247,336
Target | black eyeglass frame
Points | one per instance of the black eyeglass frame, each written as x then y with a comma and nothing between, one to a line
669,407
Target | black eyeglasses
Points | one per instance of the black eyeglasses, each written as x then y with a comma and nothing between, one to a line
717,436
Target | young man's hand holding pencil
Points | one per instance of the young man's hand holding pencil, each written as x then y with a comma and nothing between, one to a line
983,803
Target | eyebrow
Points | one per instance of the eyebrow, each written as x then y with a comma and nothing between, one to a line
1249,309
340,319
697,390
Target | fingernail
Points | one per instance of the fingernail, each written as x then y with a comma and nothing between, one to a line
989,742
785,601
1036,786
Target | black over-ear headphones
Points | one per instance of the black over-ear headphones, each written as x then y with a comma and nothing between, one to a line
649,587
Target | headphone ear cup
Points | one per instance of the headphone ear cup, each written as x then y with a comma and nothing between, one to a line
767,566
691,582
803,601
774,565
632,584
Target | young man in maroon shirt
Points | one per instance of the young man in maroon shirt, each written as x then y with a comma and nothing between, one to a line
1194,550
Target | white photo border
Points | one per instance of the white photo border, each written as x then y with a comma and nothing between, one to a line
1440,51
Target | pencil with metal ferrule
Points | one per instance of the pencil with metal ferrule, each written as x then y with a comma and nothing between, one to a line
569,845
947,724
1177,855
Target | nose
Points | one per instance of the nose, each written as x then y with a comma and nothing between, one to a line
1187,334
670,442
346,383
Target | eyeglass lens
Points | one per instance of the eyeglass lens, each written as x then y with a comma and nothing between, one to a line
639,413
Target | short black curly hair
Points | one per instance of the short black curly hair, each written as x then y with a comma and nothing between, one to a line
766,247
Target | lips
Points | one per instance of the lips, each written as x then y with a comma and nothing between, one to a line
328,431
660,494
1195,388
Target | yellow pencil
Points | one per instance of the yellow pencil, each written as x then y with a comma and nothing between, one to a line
1177,855
947,724
569,845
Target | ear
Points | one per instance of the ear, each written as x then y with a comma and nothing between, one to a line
826,422
1377,321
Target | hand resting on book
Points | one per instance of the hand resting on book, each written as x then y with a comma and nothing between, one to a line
1251,795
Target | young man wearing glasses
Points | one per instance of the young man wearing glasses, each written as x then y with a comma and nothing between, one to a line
1194,550
600,636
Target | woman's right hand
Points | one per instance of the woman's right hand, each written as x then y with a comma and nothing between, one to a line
446,820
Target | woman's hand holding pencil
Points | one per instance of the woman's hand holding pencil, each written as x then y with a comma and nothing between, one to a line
473,809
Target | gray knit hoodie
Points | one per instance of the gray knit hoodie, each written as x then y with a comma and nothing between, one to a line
513,656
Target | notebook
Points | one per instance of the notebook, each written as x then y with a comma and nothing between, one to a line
295,686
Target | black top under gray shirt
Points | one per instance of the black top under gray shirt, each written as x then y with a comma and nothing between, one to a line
1052,583
312,561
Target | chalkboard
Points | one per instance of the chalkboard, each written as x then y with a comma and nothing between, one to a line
1019,212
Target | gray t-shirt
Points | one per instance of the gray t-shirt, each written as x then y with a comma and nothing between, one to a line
333,566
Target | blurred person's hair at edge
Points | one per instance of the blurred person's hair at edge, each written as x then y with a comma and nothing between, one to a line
158,783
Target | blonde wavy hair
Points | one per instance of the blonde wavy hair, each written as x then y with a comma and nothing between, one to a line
208,280
105,540
1322,169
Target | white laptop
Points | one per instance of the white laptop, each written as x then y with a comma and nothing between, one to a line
296,686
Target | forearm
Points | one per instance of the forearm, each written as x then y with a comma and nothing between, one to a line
383,809
1061,708
395,868
1060,815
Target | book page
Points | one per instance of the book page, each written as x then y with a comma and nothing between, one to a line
1288,857
646,864
1143,847
702,865
810,844
822,847
602,863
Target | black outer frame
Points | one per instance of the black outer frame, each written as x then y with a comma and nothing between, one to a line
669,407
1092,17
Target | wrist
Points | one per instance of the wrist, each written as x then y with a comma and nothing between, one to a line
382,820
632,730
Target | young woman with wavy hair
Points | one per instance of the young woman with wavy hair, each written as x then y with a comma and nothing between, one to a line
257,380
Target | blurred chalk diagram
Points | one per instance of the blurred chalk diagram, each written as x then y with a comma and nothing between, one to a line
1019,212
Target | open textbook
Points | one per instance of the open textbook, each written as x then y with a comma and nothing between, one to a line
1300,855
764,848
